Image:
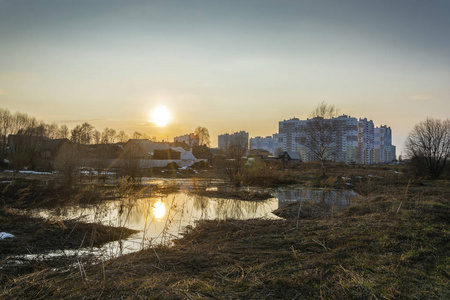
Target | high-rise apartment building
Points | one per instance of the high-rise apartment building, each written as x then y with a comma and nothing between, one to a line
237,139
366,140
355,141
268,143
384,151
292,136
346,139
263,143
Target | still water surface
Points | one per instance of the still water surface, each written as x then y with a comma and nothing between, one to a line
162,218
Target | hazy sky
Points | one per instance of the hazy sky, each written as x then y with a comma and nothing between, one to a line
225,65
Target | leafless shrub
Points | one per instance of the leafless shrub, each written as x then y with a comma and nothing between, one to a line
428,147
321,133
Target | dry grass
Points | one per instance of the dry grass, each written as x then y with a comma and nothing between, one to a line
233,193
37,236
392,243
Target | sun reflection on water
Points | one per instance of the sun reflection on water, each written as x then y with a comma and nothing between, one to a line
159,210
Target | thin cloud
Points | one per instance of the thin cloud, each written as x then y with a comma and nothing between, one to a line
81,121
420,97
2,92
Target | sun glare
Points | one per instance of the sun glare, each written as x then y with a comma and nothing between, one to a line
159,210
161,116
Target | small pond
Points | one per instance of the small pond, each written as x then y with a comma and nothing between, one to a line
161,218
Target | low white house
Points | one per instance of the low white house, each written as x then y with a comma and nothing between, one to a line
145,150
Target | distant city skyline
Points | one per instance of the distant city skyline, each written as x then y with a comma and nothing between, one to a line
225,65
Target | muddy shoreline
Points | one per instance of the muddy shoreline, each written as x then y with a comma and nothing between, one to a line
34,237
393,242
389,244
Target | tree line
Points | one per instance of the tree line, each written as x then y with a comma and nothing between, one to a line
427,146
21,124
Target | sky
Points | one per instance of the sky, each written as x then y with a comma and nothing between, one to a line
224,65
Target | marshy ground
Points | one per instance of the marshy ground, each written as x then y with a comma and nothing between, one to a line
392,242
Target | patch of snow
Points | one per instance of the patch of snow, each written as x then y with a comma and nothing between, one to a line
374,176
29,172
6,161
34,172
95,173
346,178
4,235
5,181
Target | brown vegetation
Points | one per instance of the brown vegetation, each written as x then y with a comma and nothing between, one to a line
231,193
392,243
37,236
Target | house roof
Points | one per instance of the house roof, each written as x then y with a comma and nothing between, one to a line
104,150
292,155
184,154
149,146
182,145
55,143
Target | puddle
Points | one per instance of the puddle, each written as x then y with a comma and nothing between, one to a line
163,218
338,198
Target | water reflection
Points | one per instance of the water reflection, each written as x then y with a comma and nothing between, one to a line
159,210
338,198
160,219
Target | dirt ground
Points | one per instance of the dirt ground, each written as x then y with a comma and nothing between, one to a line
392,242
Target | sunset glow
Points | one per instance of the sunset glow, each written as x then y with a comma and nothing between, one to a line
159,210
246,69
161,116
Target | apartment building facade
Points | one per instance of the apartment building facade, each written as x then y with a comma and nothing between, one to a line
263,143
268,143
355,141
384,151
237,139
190,139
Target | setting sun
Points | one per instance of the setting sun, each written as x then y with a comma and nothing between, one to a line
161,116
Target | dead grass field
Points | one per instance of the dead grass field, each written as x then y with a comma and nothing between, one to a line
392,243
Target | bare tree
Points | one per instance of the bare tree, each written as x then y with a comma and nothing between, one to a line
52,131
75,134
203,136
5,130
83,134
321,133
137,135
68,161
234,153
122,136
64,132
97,136
25,140
108,136
130,163
428,146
